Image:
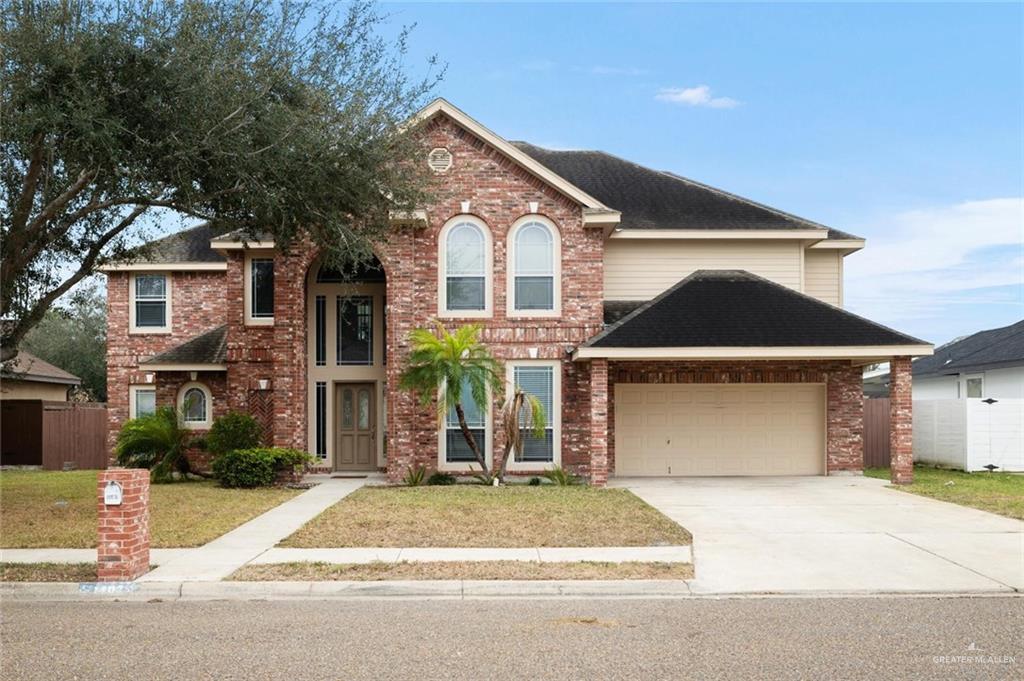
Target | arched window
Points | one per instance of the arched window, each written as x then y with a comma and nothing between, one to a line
466,266
535,255
195,404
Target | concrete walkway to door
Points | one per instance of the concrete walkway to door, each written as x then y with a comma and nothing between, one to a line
227,553
834,534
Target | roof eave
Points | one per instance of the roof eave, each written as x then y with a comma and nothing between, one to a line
183,366
859,353
155,266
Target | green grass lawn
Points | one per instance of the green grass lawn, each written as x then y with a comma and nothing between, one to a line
478,516
1001,493
45,509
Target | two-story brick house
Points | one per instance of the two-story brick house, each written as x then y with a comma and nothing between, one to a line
669,327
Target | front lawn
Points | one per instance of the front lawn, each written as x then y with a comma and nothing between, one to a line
478,516
1001,493
48,509
497,569
47,572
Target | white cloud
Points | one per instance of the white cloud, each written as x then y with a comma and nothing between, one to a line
925,264
695,96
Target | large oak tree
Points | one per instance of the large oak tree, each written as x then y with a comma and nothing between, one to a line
262,116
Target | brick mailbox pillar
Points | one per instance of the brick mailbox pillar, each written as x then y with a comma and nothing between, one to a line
901,422
123,552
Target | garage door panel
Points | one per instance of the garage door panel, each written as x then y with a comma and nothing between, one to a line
684,430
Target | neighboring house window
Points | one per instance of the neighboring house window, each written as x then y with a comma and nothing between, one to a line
355,330
195,404
142,400
466,264
150,304
975,387
455,449
541,379
259,290
535,284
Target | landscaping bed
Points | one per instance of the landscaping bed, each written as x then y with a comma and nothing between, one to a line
478,516
1000,493
511,569
47,572
54,509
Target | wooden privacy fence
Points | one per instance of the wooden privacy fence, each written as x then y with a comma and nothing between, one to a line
50,434
876,432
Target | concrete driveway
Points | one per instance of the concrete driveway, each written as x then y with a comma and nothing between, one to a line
834,534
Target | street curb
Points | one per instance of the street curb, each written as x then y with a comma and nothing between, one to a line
417,590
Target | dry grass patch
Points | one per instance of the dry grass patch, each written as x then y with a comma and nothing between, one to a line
497,517
47,572
1000,493
46,509
496,569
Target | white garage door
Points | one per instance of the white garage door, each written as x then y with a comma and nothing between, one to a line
770,429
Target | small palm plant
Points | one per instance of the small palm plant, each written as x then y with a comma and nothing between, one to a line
441,364
155,441
521,413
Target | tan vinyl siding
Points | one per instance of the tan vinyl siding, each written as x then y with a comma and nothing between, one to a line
641,269
823,276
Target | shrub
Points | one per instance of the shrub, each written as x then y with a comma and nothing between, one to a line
439,478
562,477
255,467
414,476
534,482
233,431
155,441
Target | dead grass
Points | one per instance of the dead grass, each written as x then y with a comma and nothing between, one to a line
508,569
45,509
47,572
478,516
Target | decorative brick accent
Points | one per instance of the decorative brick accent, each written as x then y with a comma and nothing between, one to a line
844,396
123,548
599,422
901,422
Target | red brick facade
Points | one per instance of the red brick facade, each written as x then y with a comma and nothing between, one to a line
498,193
901,422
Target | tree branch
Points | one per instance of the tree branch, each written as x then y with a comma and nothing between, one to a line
28,188
58,204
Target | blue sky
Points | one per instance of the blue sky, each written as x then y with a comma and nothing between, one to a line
899,123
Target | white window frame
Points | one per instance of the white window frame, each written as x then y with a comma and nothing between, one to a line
168,292
554,420
195,425
442,266
248,294
973,377
133,391
556,267
467,466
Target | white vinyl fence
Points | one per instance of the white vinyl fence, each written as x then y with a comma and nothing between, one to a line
970,433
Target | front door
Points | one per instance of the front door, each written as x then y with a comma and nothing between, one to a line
356,432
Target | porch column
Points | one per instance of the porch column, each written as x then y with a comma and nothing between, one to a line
901,422
598,422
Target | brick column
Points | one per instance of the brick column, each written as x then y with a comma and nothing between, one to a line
598,422
123,549
901,422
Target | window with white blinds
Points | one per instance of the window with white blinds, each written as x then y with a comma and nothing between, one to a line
456,449
539,381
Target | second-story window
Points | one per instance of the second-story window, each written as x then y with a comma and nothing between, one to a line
465,261
150,306
261,272
534,267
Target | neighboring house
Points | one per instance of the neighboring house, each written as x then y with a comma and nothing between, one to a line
26,377
984,364
669,328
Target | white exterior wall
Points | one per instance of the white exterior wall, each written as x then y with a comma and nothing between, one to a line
1000,384
938,388
1005,384
823,276
970,434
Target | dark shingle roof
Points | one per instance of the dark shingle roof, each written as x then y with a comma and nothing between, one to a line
27,367
206,348
1003,346
614,310
190,245
652,199
734,308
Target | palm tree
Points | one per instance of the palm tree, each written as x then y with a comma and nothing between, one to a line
441,364
521,412
155,441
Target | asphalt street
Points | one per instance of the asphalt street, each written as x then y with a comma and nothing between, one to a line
753,638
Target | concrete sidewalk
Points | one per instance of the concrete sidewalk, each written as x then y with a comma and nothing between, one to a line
224,555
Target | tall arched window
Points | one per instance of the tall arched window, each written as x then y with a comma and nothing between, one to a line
466,264
535,268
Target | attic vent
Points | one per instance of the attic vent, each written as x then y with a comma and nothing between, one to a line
440,160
